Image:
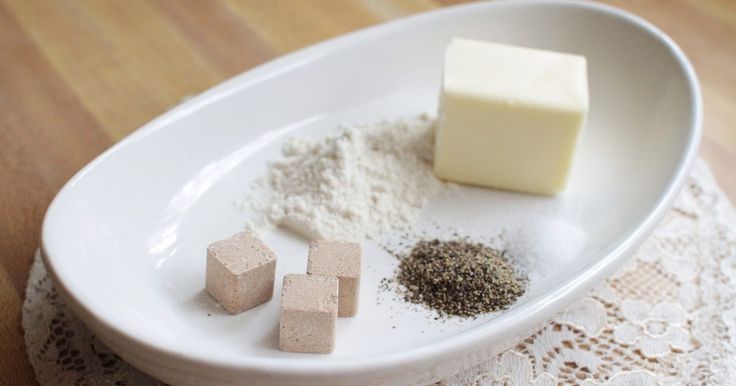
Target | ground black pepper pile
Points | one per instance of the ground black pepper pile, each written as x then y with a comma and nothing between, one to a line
459,278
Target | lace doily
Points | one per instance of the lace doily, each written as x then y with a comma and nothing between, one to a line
667,318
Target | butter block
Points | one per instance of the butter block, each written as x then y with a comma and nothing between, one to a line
510,117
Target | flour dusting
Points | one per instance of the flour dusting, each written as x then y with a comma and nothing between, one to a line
357,183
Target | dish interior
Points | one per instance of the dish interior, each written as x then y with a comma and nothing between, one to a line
128,235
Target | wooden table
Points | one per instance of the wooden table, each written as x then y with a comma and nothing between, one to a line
76,76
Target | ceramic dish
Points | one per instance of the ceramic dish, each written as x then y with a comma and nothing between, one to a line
125,239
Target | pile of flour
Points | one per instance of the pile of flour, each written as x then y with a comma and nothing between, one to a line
357,183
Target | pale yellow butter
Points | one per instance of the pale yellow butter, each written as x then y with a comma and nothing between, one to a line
510,117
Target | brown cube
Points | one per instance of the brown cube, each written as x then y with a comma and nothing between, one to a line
308,313
240,272
340,259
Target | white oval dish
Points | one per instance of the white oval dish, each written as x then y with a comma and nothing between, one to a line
125,239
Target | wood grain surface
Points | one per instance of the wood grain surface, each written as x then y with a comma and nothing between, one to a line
78,75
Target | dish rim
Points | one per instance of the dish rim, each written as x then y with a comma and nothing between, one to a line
546,304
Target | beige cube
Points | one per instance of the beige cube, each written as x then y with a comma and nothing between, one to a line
340,259
308,313
240,272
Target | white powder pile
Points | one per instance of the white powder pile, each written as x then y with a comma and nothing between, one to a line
358,183
540,246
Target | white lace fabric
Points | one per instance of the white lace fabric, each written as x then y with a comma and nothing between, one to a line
666,318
